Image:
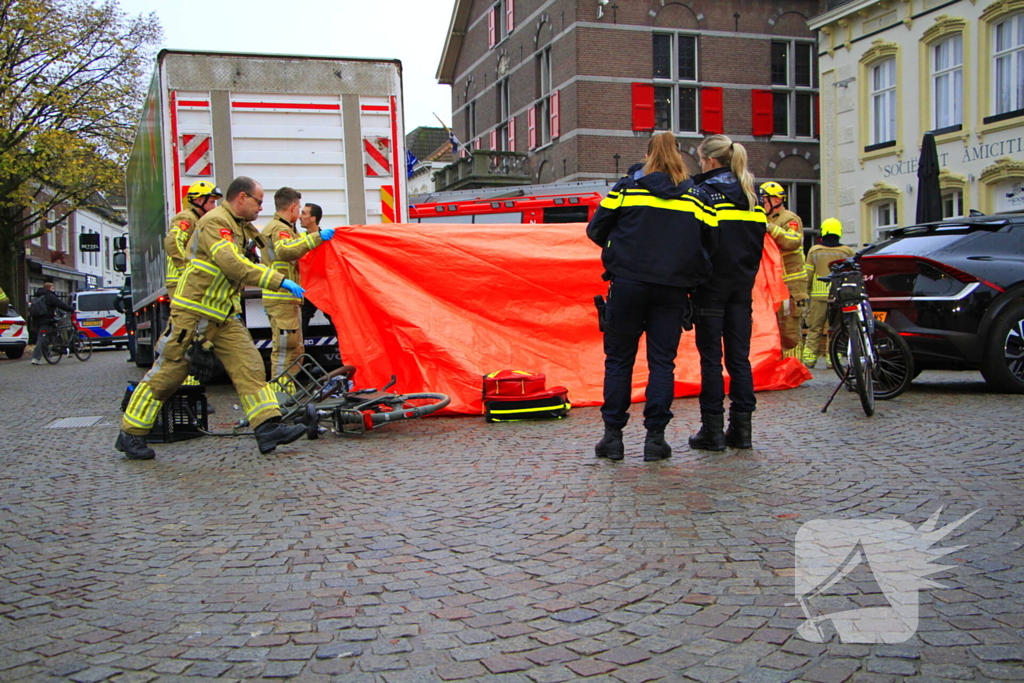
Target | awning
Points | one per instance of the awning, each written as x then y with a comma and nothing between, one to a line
59,271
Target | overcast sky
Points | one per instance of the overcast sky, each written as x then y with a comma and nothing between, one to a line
410,30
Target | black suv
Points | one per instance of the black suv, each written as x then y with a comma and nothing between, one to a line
955,291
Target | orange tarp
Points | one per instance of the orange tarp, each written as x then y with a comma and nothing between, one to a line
441,305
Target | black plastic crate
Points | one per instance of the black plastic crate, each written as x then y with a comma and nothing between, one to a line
182,416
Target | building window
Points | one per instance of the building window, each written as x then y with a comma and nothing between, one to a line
883,102
803,201
471,122
1009,64
793,88
543,105
948,82
953,204
675,82
885,219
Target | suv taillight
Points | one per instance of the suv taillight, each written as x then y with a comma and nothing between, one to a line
902,276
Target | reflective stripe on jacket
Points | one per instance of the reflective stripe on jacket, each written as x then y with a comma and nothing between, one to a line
741,229
818,260
787,230
653,230
283,246
182,226
217,269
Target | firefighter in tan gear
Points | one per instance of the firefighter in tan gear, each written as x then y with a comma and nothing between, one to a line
205,311
283,246
787,230
202,197
818,259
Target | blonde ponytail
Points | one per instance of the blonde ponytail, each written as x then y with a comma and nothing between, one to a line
734,156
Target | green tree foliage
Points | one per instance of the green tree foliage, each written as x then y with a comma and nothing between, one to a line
72,82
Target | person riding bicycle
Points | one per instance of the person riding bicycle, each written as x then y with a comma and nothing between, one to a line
42,313
819,258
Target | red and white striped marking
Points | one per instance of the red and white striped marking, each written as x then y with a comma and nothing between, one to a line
196,149
377,156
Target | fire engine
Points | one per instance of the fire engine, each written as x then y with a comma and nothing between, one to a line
555,203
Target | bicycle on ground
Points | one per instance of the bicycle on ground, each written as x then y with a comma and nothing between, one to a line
869,356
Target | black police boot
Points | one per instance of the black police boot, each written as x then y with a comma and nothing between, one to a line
610,446
655,446
738,435
134,446
274,433
711,436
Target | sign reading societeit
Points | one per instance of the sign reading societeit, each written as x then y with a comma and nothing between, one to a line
988,151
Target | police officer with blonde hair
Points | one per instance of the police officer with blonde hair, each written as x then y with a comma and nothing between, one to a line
205,312
283,247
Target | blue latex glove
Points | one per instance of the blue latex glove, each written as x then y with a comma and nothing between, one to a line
293,287
327,234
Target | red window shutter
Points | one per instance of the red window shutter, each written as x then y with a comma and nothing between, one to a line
817,117
494,139
510,20
762,112
492,27
512,134
555,126
712,119
643,106
531,126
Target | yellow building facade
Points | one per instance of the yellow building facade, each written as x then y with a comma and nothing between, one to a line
892,70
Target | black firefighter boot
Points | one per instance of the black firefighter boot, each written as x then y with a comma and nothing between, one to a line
134,446
274,433
610,446
738,435
711,436
655,446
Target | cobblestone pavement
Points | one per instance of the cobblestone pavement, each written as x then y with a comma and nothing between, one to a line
447,549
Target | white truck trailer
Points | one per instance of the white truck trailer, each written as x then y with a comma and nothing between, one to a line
329,127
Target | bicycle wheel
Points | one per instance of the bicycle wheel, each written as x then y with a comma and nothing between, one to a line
53,351
860,365
894,367
82,347
407,407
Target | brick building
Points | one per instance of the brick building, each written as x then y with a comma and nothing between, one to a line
580,85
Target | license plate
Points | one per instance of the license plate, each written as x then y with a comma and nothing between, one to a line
880,315
5,326
91,323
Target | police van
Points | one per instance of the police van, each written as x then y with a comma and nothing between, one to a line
97,318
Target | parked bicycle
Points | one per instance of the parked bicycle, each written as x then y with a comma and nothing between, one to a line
869,356
63,339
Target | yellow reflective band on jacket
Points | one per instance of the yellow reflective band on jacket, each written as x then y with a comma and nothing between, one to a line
143,408
254,404
685,204
729,212
612,201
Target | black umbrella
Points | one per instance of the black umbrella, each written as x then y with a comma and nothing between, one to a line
929,194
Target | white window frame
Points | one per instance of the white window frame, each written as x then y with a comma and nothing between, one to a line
952,203
948,82
1008,65
879,225
675,83
544,103
792,92
883,101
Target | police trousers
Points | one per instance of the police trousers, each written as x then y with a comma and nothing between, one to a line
633,309
724,319
235,350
